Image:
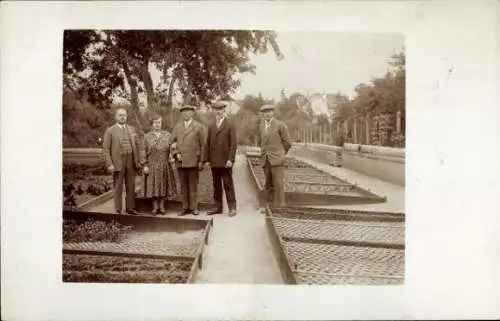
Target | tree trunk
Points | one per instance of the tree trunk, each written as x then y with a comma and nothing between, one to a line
134,97
188,96
148,84
171,90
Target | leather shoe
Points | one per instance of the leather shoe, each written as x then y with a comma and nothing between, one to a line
132,212
184,212
195,212
232,213
213,212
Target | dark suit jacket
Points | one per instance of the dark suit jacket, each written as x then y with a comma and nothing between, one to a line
190,143
112,147
274,143
221,143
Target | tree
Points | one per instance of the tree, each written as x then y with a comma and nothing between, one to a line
201,65
83,124
253,103
382,98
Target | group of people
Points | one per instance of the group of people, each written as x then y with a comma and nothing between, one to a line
188,149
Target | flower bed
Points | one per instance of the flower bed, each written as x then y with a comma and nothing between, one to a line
99,235
334,246
113,269
303,178
84,182
289,162
94,231
111,248
306,185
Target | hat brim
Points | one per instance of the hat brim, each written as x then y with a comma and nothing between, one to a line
219,105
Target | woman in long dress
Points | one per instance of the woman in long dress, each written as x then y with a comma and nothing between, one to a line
160,181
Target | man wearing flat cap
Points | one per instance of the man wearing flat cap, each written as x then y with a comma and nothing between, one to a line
274,141
188,143
220,153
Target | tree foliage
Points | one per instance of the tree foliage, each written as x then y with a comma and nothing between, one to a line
200,66
83,124
382,95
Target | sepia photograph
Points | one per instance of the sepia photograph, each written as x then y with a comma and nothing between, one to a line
233,157
250,160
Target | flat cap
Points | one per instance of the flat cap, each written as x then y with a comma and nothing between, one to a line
219,104
186,107
267,107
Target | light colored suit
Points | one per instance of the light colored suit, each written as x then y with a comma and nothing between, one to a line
112,147
190,142
125,165
274,143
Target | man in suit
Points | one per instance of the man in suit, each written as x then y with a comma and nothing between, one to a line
220,152
123,159
274,141
188,143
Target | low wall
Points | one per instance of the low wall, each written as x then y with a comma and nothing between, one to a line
384,163
389,169
90,156
87,156
376,150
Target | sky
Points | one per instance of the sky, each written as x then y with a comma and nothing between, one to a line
316,61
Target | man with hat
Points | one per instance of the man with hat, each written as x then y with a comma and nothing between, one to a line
188,143
274,141
220,153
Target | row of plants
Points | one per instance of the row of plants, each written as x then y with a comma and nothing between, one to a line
82,182
94,231
111,269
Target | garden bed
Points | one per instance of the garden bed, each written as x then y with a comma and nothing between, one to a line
113,269
307,185
83,183
139,245
338,247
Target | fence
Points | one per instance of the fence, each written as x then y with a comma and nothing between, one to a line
380,130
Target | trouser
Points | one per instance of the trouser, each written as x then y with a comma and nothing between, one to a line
189,187
222,176
126,174
274,189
